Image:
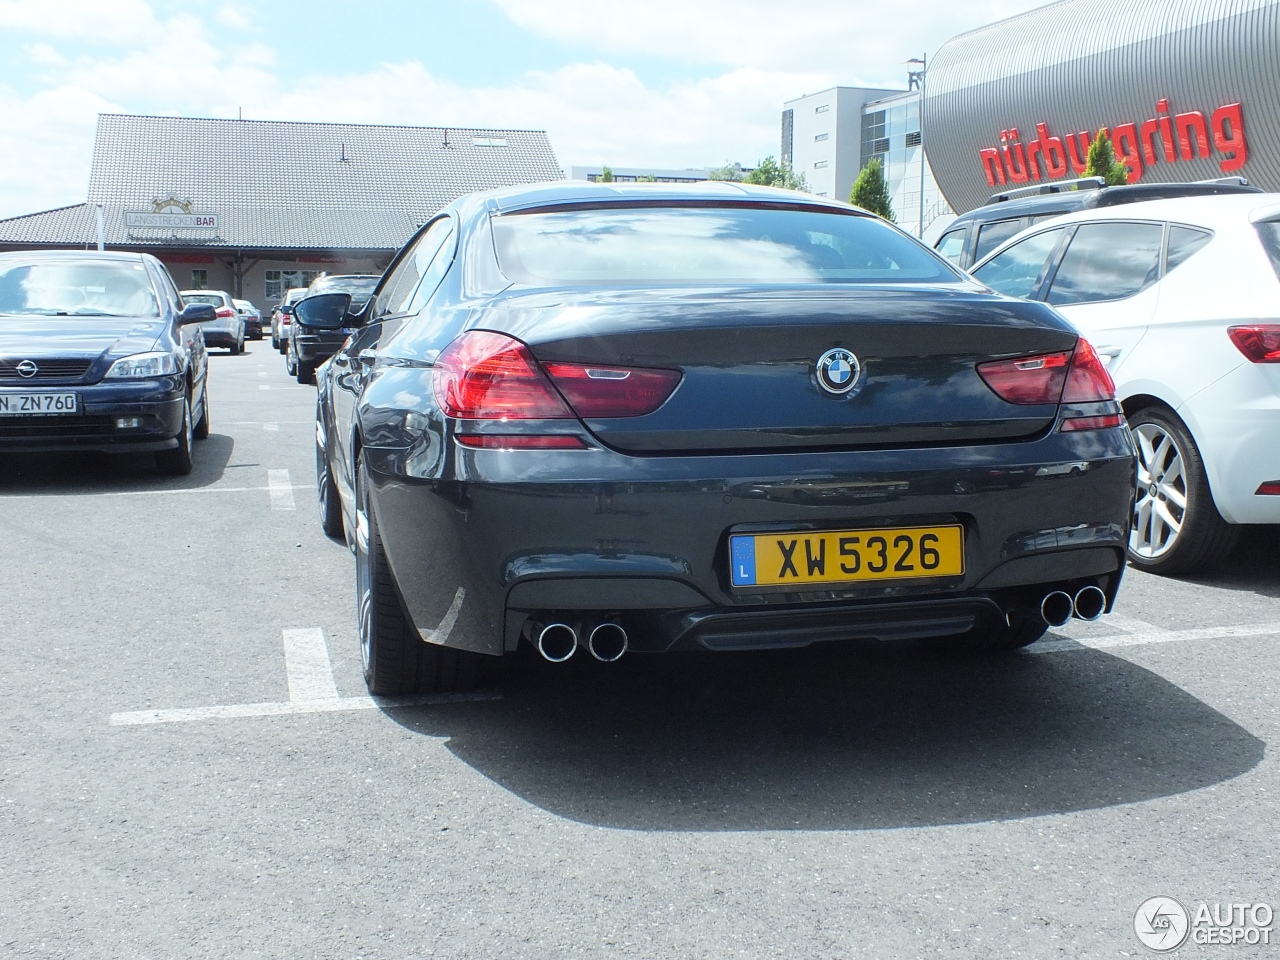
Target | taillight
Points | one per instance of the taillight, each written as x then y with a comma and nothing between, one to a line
1088,381
489,441
488,376
595,391
1259,342
224,312
1027,380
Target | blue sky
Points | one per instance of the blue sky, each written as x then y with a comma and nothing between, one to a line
676,83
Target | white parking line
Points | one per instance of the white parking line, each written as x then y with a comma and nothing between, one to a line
1063,644
306,662
281,490
264,386
271,427
292,708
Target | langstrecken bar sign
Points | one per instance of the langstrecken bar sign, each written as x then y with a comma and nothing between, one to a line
1167,137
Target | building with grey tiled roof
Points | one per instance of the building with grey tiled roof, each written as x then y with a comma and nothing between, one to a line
256,206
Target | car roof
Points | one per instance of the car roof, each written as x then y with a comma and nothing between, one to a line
127,256
569,192
220,293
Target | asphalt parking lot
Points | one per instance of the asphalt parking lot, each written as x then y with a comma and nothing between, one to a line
190,767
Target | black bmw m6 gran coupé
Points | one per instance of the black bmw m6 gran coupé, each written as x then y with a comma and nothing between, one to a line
640,418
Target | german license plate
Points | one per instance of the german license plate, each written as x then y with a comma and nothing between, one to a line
846,556
34,404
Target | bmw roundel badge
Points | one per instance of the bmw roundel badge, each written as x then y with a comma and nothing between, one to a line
838,371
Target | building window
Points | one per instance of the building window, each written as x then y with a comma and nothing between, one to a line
822,109
199,279
819,164
913,139
875,140
818,138
278,282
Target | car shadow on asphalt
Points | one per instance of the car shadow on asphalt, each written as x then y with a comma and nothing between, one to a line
837,737
60,474
1254,564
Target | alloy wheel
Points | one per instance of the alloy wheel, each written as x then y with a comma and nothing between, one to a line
1161,504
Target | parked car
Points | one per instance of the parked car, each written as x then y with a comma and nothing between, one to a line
308,346
658,417
283,316
226,329
1182,298
973,235
252,318
98,352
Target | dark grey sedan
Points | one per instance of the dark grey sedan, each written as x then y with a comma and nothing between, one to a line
649,418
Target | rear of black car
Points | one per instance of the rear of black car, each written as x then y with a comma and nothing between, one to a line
312,346
738,426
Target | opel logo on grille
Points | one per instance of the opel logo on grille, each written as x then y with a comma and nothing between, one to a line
27,369
838,371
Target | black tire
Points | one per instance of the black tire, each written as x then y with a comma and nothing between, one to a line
201,430
994,637
327,492
290,364
397,660
1203,539
178,462
304,372
275,343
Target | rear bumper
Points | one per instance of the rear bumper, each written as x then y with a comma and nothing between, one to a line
314,350
504,535
155,403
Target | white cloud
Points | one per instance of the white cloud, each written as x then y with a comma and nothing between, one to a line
116,22
233,17
859,42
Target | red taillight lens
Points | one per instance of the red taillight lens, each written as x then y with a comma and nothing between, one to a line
225,312
488,376
1260,342
1092,423
1088,381
613,391
516,442
1027,380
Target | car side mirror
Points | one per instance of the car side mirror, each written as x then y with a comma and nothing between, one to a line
324,311
197,313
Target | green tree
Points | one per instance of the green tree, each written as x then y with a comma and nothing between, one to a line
730,171
870,192
770,173
1102,161
646,178
606,175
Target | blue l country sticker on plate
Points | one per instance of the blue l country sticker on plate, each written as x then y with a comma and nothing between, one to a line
742,552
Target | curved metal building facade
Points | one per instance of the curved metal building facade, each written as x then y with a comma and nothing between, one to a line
1187,89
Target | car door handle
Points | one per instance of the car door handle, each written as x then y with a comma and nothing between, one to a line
367,356
1108,352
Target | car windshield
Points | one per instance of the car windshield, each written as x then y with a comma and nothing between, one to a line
359,287
210,298
77,289
709,244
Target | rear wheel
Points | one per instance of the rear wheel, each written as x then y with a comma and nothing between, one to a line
1176,527
304,372
327,491
178,462
201,430
396,660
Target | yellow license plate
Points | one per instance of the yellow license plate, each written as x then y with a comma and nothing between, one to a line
846,556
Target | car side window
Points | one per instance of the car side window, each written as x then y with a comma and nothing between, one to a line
1108,261
168,289
435,271
400,286
951,245
1183,242
991,235
1019,271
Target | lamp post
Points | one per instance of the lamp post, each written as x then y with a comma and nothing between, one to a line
915,81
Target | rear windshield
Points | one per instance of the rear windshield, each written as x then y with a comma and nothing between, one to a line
77,289
210,298
716,244
1270,236
359,287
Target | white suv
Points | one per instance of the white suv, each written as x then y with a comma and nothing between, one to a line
225,331
1182,299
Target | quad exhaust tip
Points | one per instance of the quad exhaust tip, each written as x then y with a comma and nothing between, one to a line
608,642
1089,604
1057,608
557,642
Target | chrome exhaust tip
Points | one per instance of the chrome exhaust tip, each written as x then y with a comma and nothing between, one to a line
557,642
1057,608
1090,603
608,642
